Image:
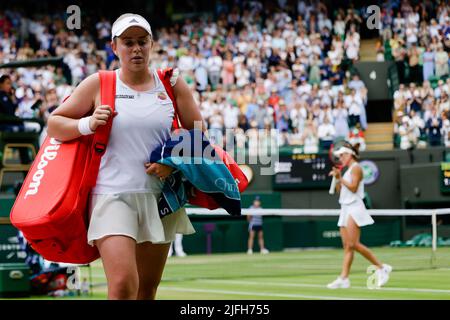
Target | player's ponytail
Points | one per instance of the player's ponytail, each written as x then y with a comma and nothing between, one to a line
355,148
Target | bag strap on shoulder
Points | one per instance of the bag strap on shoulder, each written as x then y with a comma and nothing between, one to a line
165,76
101,135
108,97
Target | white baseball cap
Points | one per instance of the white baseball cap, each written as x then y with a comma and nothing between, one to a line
129,20
343,150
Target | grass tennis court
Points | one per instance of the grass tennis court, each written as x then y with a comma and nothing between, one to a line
301,274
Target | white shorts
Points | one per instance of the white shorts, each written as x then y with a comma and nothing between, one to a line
357,210
134,215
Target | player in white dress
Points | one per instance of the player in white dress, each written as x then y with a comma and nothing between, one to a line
353,216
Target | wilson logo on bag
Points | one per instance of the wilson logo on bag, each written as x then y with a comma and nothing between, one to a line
50,153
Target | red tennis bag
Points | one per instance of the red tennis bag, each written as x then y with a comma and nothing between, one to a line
51,208
199,198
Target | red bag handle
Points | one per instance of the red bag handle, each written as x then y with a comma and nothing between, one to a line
165,76
108,97
101,136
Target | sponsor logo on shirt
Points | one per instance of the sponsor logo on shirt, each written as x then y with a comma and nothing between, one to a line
162,96
124,96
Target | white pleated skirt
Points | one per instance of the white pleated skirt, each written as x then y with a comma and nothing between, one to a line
134,215
357,210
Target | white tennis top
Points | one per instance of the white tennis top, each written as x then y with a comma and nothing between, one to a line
346,196
143,122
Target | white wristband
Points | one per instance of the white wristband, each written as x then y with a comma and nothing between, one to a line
83,126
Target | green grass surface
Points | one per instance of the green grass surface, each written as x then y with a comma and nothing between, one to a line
299,274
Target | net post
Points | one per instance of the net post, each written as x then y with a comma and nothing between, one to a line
434,238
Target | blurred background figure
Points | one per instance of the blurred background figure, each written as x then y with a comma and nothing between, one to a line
256,226
177,246
8,104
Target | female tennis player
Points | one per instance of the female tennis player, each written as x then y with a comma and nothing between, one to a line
353,216
132,239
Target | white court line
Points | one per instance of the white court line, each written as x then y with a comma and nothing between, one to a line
262,294
306,285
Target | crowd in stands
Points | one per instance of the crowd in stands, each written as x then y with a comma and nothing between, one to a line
422,114
416,36
283,72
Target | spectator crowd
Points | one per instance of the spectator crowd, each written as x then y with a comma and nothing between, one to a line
416,36
278,74
421,116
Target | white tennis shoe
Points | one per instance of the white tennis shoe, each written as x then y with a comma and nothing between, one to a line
339,283
383,274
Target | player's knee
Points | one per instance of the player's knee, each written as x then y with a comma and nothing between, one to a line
350,246
124,286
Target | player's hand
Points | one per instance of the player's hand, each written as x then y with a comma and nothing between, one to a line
335,172
100,116
160,170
